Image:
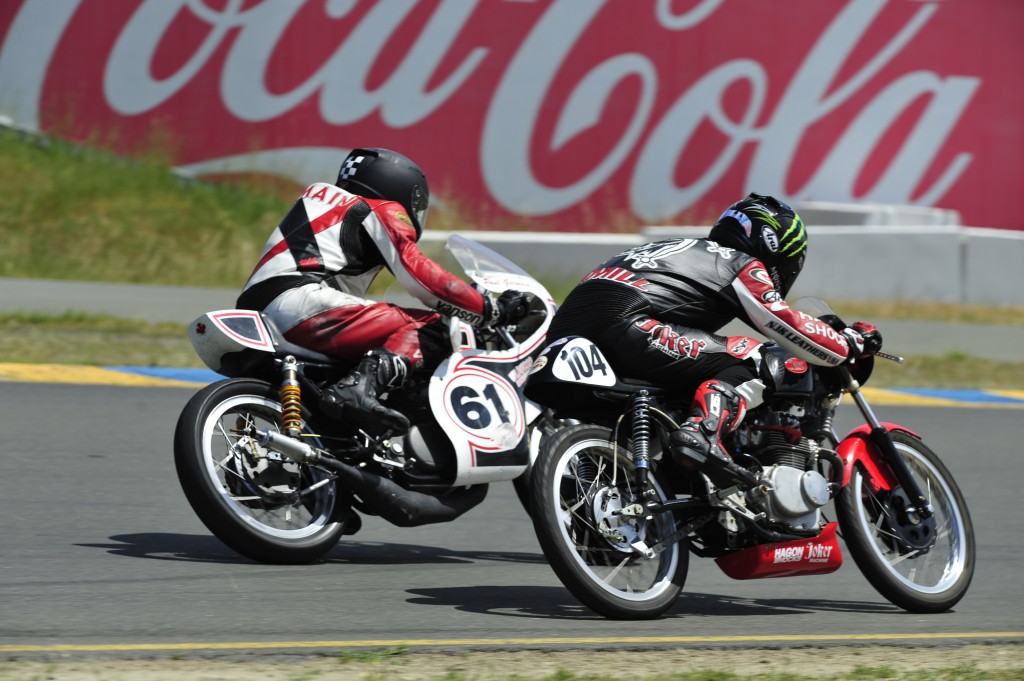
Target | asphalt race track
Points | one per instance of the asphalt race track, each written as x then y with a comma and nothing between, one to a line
101,552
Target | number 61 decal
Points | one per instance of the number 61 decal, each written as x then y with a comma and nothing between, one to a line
486,408
581,362
476,409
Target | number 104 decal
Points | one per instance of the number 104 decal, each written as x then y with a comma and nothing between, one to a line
581,362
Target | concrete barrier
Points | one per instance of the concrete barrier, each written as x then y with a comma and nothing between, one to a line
558,257
828,213
926,263
993,266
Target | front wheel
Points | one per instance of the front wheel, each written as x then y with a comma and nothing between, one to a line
924,568
266,507
580,483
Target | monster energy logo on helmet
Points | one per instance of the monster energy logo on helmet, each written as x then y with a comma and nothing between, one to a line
769,230
787,241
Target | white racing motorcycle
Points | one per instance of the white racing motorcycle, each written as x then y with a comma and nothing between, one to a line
279,482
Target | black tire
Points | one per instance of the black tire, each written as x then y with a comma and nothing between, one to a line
245,494
522,488
570,488
917,581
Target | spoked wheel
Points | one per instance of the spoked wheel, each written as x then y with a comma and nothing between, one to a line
924,567
581,482
263,505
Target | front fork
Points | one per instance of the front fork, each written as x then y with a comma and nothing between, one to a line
919,505
909,512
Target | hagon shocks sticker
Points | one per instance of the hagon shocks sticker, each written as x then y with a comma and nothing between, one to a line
581,362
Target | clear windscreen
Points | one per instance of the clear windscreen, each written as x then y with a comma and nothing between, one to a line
816,307
478,260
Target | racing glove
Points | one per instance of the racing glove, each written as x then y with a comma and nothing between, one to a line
863,339
510,307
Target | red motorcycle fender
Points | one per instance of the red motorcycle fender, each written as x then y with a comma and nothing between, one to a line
857,447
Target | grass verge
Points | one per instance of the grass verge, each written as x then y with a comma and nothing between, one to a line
93,340
73,213
460,669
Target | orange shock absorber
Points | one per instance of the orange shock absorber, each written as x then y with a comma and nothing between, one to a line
291,399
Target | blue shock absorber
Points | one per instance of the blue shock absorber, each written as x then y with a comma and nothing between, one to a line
641,437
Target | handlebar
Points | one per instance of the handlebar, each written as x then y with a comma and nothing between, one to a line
455,334
891,358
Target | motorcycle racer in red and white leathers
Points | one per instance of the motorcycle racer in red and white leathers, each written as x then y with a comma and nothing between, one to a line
317,265
654,311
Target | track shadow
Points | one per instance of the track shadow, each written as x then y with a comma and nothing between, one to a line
380,553
558,603
552,602
715,605
192,548
209,549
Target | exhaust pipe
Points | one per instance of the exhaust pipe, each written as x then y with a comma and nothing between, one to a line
385,497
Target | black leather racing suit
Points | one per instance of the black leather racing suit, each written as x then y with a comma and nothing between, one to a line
654,311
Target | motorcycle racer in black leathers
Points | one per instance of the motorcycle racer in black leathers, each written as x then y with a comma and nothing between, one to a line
655,310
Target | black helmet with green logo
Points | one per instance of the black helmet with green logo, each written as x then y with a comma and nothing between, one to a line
769,230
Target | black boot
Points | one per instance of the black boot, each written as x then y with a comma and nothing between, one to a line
353,399
717,410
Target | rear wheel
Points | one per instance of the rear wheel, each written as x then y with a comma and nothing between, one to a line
924,567
266,507
580,483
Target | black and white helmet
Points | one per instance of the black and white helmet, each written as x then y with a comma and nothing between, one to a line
769,230
386,174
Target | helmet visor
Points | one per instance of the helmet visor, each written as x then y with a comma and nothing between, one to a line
419,206
786,272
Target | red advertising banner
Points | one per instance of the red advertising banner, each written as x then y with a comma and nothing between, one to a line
553,114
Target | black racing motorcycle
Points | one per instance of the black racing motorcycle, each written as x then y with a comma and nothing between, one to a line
617,518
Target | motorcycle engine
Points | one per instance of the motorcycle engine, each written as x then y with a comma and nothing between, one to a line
792,490
792,497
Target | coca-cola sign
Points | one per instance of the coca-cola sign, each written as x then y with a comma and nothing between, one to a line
568,114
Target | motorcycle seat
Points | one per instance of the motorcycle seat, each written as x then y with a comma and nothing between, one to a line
285,347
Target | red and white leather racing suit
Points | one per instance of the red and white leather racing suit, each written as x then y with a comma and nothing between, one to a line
319,262
654,311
